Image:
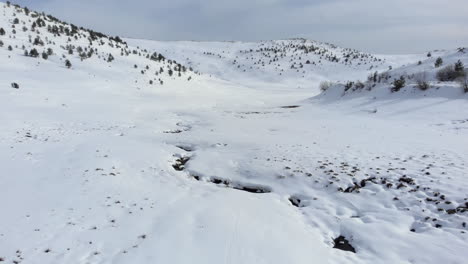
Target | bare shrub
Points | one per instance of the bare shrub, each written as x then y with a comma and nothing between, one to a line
359,85
421,81
325,85
463,81
449,74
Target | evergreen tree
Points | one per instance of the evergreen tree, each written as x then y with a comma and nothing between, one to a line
2,32
45,56
398,84
438,62
110,58
38,41
68,64
34,53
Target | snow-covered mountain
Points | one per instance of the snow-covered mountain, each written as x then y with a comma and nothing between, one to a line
140,151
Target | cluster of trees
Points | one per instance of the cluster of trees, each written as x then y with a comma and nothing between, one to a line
62,29
454,72
274,51
451,72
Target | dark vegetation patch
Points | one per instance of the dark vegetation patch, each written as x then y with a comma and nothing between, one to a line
296,201
175,131
290,106
252,188
185,148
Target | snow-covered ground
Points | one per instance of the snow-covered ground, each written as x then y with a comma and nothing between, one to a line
222,165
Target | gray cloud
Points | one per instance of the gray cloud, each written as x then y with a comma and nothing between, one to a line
397,26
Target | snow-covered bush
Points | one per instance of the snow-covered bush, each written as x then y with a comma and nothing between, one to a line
421,81
450,73
348,86
459,67
325,85
359,85
463,81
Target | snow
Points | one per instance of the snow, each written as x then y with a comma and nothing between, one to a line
88,152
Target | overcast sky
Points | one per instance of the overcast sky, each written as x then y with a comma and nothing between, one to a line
383,26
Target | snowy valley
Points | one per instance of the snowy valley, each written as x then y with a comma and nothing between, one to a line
118,150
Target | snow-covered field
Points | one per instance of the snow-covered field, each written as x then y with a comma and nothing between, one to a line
238,161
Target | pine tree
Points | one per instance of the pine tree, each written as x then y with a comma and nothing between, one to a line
110,58
38,41
68,64
398,84
438,62
34,53
2,32
45,56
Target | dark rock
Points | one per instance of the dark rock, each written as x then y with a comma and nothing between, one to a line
295,201
342,243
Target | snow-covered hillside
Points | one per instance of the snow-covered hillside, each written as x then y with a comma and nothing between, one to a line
142,151
296,63
440,74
